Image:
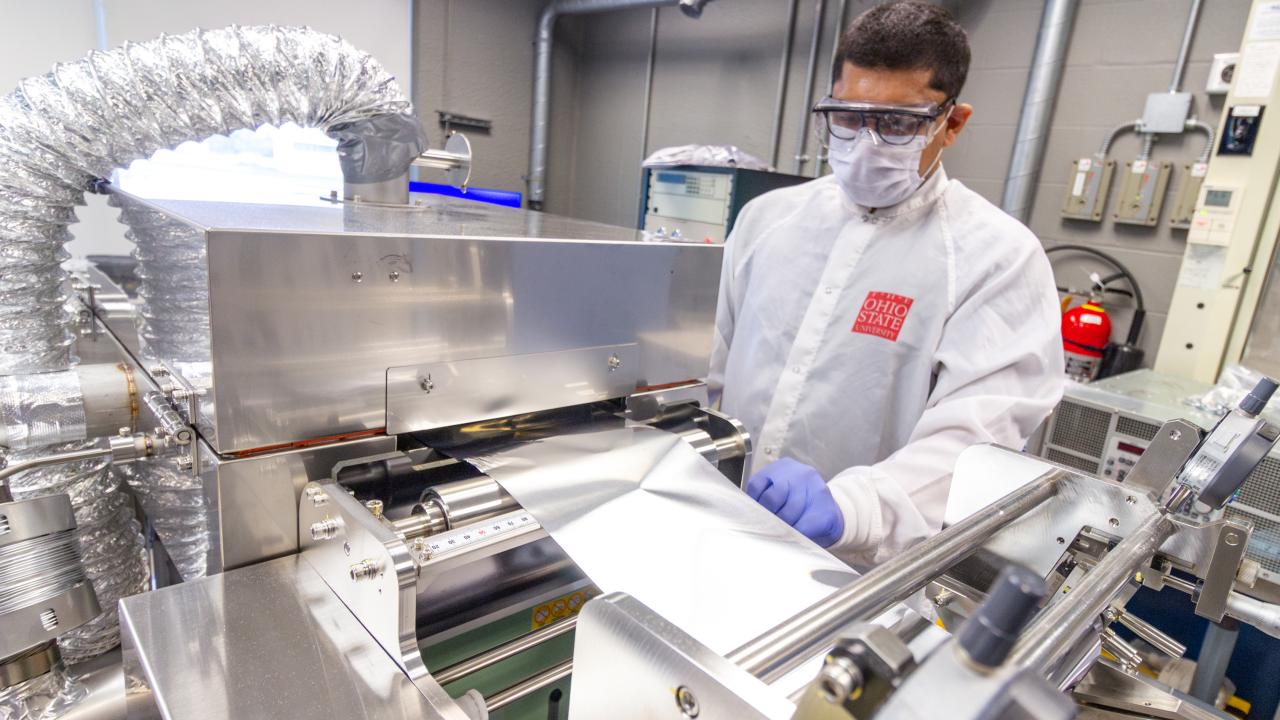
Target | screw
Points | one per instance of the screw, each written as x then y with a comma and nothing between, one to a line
1114,522
687,703
324,529
346,549
1062,541
615,362
839,679
374,507
1175,434
366,569
421,549
1232,539
357,276
1131,500
426,384
394,275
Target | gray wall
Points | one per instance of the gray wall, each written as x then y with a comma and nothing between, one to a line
1108,75
475,58
715,80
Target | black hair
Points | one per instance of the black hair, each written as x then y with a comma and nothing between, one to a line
908,35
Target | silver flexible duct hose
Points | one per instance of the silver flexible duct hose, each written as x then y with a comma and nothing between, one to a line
61,132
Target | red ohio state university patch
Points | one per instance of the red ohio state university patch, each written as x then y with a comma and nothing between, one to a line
882,315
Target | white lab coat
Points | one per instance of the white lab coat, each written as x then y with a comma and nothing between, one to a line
876,346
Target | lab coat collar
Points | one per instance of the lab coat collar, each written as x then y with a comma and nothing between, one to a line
925,195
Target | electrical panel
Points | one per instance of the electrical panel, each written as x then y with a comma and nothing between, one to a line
1087,189
1142,187
1184,207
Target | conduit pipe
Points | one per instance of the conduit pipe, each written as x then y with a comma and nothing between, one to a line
1037,107
60,133
784,73
806,99
543,45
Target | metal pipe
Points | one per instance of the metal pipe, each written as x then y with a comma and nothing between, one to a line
49,460
1154,635
543,44
1113,134
1263,615
648,84
784,72
525,688
818,157
1051,635
470,500
506,650
1037,107
806,100
1216,649
1207,129
781,649
1184,52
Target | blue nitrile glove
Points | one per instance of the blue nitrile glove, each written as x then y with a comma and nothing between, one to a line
796,493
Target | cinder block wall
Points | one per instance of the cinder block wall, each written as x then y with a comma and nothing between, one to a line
715,80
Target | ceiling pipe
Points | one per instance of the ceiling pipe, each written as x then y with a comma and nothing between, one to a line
543,43
1037,107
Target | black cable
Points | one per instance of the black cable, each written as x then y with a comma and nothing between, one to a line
1140,311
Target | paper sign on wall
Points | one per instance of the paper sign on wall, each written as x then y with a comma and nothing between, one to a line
1266,22
1257,69
1202,267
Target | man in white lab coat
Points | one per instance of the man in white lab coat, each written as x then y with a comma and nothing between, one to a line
876,322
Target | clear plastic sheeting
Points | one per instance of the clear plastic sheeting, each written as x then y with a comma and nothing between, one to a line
713,155
110,541
41,409
1233,384
641,512
175,504
44,697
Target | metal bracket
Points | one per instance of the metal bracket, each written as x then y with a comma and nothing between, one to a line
1220,576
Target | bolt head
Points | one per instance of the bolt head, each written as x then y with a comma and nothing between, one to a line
357,276
687,703
394,276
615,362
426,384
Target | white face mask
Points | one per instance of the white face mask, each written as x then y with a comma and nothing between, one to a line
875,174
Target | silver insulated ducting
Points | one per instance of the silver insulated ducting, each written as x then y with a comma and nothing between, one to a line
61,133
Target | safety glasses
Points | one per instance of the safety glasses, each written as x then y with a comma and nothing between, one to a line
890,124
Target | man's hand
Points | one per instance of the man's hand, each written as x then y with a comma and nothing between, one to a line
796,493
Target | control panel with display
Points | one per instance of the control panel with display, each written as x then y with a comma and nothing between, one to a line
1215,215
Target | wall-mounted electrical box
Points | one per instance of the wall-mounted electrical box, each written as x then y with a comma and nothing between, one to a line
1184,207
699,203
1221,71
1215,215
1142,186
1087,189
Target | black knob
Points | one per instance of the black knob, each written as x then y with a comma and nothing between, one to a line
1257,399
989,635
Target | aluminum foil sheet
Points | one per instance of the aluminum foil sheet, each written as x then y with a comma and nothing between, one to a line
44,697
41,409
641,512
713,155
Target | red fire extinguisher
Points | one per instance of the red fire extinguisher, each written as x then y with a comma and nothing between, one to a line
1086,330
